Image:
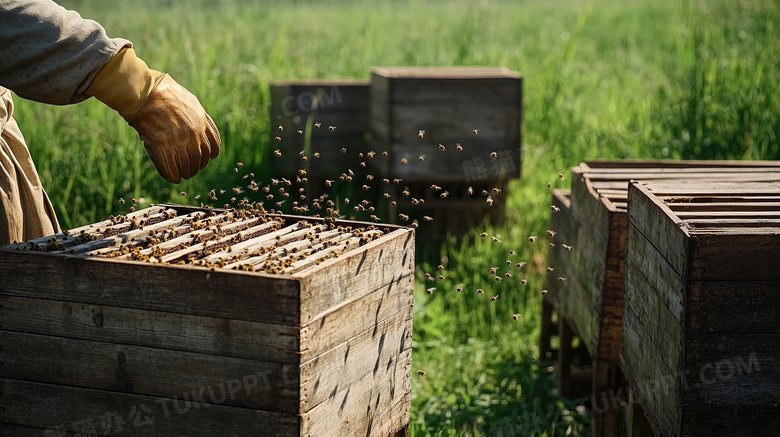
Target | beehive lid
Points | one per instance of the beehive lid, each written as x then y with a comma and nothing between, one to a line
608,180
460,72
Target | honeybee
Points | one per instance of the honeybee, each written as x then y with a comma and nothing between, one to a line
496,190
404,217
183,194
386,195
566,246
430,290
420,134
508,263
485,193
393,203
421,373
405,193
494,298
551,245
277,139
544,291
550,233
371,155
508,275
493,270
458,147
332,128
489,201
444,195
560,176
300,132
440,267
512,252
441,277
497,279
422,158
397,181
196,198
524,281
480,291
520,265
493,155
561,279
317,125
549,269
483,235
343,150
475,131
459,289
496,240
427,276
316,154
235,169
554,208
346,200
531,238
121,201
516,316
384,154
414,224
441,147
549,185
277,153
403,161
427,218
471,191
366,187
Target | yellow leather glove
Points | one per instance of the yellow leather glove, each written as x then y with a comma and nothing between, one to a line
178,134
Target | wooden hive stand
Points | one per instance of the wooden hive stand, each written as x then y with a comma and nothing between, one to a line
590,302
95,341
702,297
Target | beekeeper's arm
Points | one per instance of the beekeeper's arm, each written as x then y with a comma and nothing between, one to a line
52,55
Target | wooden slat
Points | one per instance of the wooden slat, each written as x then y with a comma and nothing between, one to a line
704,420
672,165
47,405
732,307
696,206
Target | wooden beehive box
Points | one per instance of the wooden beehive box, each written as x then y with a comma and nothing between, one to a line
304,346
591,298
343,104
448,103
702,298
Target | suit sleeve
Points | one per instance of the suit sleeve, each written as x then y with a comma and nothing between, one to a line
50,54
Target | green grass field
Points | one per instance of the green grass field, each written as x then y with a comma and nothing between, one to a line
605,79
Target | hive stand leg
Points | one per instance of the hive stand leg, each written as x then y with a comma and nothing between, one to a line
638,424
605,399
565,356
403,432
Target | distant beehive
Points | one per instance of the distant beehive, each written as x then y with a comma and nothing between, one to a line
342,104
448,104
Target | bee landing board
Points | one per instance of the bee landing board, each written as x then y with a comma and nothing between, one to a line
158,320
702,295
448,104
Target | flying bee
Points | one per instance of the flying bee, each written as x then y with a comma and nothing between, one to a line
471,191
196,198
566,246
516,316
544,291
277,153
277,139
496,190
316,154
435,187
420,134
493,270
497,279
422,158
508,275
554,208
441,277
421,373
489,201
427,218
343,150
509,263
374,218
403,161
121,201
430,290
524,281
520,265
441,147
183,194
551,245
531,238
440,267
560,176
475,131
386,195
366,187
483,235
384,154
444,195
561,279
346,200
414,224
494,298
550,233
363,163
370,155
480,291
317,125
512,252
493,155
427,276
415,201
235,170
459,289
332,128
549,269
300,132
405,193
496,240
458,147
397,181
485,193
549,185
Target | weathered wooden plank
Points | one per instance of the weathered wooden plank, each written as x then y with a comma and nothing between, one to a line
751,257
145,371
673,165
747,205
169,288
658,224
694,188
656,385
46,405
173,331
732,307
379,263
690,174
704,420
737,369
340,324
364,354
353,410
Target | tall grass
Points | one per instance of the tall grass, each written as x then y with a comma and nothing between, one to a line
605,79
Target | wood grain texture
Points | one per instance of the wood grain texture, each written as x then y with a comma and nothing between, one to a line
732,420
732,307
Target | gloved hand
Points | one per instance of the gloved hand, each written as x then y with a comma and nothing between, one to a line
178,134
